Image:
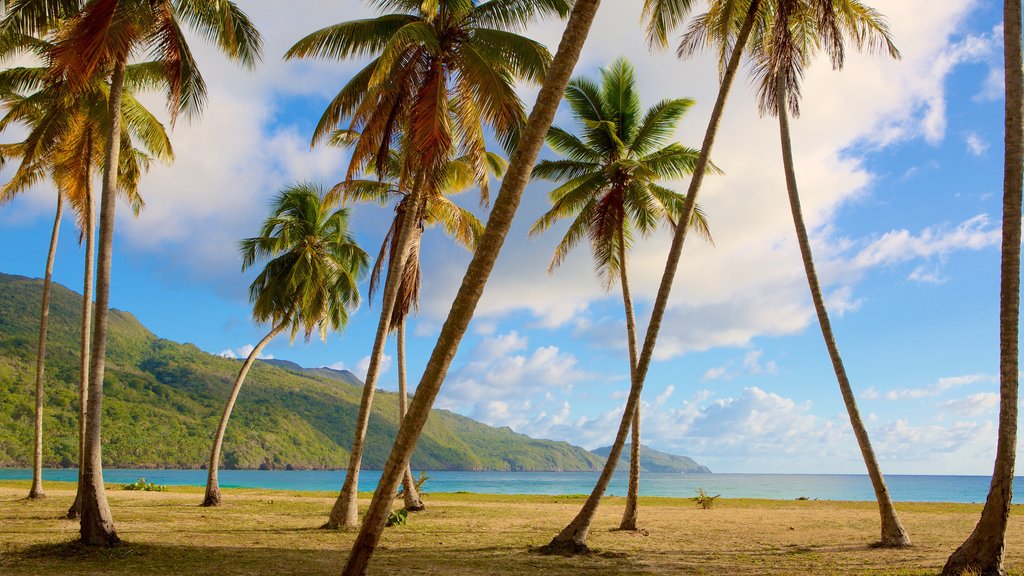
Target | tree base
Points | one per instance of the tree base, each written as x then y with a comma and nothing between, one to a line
416,507
36,494
212,500
565,548
72,512
108,541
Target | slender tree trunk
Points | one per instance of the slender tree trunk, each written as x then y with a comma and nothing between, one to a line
97,523
410,494
629,515
480,266
44,321
893,534
573,538
83,384
213,497
983,550
345,512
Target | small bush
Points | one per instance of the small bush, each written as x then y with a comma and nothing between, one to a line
144,486
397,518
802,498
704,500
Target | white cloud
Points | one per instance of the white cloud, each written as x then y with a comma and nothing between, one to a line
973,405
364,364
975,145
243,352
937,388
749,365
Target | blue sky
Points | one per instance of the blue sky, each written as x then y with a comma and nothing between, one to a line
900,170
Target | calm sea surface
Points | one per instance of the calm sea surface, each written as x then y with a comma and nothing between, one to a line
779,486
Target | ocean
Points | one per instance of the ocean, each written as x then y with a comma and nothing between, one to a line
904,488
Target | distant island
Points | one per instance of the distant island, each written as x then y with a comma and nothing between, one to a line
163,401
652,460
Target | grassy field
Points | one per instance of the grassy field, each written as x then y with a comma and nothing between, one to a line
261,532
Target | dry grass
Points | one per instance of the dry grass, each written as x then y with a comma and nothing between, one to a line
274,533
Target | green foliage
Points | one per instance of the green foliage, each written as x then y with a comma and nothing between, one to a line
704,500
397,518
143,486
163,401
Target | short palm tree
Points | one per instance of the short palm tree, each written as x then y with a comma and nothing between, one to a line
309,283
480,266
787,37
612,175
99,37
441,71
64,143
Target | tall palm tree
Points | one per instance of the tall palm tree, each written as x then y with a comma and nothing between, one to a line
788,36
63,144
480,266
441,71
611,191
661,16
982,552
458,223
97,36
309,283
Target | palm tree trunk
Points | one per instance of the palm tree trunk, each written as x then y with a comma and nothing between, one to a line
97,523
573,538
213,497
410,495
44,320
893,534
480,266
83,384
629,515
345,512
983,550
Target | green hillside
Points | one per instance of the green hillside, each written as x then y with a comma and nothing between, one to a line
652,460
163,401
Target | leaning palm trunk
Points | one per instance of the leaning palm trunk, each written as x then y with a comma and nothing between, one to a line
44,320
83,384
410,495
573,538
893,534
97,523
480,267
345,512
213,497
629,515
983,550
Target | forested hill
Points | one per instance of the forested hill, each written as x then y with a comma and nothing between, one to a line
164,399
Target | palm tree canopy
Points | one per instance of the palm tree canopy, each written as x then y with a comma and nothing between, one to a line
95,34
441,71
612,171
313,266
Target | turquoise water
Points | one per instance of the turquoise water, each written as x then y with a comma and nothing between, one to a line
778,486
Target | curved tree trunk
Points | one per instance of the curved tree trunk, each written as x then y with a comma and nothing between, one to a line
345,512
983,550
213,497
97,523
44,320
83,384
573,538
480,266
410,495
893,534
629,515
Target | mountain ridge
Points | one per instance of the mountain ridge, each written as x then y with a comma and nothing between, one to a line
652,460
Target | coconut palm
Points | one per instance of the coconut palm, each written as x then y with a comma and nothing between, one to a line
63,144
309,284
611,190
512,185
982,552
441,71
94,37
661,17
458,223
788,36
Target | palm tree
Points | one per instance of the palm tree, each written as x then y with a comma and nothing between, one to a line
442,70
787,39
458,223
310,283
516,177
97,36
662,16
611,174
982,552
63,144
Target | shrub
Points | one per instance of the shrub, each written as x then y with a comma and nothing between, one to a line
704,500
144,486
397,518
